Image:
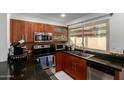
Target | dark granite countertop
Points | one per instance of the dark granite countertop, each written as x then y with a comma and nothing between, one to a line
114,64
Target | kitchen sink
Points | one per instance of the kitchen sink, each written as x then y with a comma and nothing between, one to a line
82,54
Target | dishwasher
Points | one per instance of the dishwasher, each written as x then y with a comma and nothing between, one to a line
99,72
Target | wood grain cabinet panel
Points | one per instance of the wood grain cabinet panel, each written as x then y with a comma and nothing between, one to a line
76,67
28,32
48,28
67,66
20,29
80,68
16,30
70,66
38,27
24,30
59,64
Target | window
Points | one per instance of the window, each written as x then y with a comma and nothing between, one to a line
91,35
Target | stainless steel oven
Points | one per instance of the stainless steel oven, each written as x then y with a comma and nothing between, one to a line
44,54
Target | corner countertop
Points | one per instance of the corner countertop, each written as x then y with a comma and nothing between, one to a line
117,65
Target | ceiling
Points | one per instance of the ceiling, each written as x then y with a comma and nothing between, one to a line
56,16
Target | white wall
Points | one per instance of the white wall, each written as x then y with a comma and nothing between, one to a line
116,37
117,32
3,37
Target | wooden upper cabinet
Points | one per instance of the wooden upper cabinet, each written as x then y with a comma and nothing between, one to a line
60,29
28,32
17,30
60,34
21,30
48,28
25,30
38,27
11,31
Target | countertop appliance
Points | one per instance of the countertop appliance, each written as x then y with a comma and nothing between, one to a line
60,46
42,37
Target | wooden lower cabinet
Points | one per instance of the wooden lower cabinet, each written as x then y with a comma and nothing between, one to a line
80,69
59,64
76,67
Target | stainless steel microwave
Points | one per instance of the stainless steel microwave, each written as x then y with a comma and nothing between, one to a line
60,46
42,37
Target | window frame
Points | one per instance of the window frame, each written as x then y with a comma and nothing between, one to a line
107,21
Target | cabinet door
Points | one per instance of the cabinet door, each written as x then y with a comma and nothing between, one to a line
48,28
59,65
21,30
72,66
75,67
69,66
16,30
12,32
39,27
36,27
31,28
80,69
66,62
28,32
60,29
60,33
